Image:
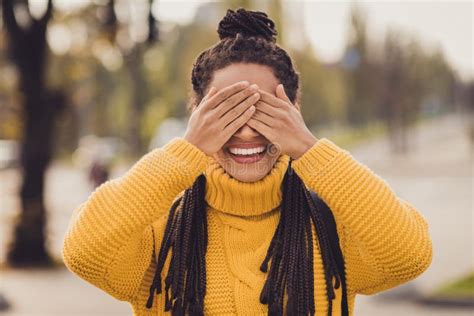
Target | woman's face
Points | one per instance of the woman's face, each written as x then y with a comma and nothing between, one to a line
246,168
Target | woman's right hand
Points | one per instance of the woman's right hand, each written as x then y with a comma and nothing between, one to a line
220,114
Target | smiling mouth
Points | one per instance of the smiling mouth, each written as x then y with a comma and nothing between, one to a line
243,156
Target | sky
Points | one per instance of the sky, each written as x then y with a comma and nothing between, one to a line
444,24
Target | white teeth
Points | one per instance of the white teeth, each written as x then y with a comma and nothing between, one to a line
246,151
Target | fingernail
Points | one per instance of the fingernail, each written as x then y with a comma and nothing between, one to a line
253,87
245,83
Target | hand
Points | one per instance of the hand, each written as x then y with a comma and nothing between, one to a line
282,124
218,116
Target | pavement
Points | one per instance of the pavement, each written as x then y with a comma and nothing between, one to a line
436,177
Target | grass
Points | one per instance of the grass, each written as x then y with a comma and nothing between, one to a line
347,137
460,288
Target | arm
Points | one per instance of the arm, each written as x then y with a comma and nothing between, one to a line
109,241
385,240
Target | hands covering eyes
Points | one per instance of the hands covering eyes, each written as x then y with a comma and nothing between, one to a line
281,122
221,113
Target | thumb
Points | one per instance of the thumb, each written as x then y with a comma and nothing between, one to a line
280,92
210,93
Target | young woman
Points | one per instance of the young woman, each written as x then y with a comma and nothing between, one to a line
220,221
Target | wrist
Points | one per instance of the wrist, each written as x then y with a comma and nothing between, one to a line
188,155
307,143
190,140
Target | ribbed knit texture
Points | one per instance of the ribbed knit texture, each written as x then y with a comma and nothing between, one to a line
109,243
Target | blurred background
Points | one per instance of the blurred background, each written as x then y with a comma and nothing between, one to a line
89,86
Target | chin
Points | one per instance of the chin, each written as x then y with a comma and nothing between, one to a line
247,168
248,176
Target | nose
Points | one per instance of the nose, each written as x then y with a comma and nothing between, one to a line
245,132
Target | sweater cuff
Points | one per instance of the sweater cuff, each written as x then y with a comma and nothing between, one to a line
191,157
316,158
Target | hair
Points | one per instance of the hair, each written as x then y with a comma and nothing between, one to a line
246,36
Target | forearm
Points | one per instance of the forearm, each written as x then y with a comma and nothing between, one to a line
112,221
387,229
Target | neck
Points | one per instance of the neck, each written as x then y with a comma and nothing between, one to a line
232,196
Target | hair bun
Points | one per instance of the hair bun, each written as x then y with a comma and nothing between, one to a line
247,23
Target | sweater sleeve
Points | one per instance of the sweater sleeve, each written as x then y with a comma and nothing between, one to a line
109,241
386,240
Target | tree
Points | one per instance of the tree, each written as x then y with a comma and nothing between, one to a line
360,72
133,53
28,51
394,98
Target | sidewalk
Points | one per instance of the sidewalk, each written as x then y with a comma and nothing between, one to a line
436,178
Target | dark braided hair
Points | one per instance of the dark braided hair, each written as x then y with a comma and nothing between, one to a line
247,36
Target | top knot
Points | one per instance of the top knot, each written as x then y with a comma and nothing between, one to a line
247,23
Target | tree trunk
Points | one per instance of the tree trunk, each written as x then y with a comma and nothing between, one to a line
29,242
27,48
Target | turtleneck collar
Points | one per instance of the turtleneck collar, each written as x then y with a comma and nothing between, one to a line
235,197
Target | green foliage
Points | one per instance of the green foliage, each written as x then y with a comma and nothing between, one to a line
462,287
322,90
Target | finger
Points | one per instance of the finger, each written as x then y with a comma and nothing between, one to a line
270,110
260,127
238,122
210,93
264,118
225,93
236,99
281,93
298,106
233,113
272,100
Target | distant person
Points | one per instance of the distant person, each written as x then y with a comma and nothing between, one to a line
470,113
98,172
221,221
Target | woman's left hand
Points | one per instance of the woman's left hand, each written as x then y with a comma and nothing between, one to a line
282,124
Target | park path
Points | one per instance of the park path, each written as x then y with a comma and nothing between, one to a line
436,177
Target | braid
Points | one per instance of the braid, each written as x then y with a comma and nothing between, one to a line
186,274
249,22
297,276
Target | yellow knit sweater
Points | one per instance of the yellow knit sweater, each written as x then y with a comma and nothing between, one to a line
385,240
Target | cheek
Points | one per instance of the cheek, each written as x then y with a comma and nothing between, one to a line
219,155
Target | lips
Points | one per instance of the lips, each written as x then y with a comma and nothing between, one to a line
246,145
245,159
242,158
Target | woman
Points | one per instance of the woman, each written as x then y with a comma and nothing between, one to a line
230,199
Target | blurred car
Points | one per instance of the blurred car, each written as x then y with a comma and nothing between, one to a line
9,153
